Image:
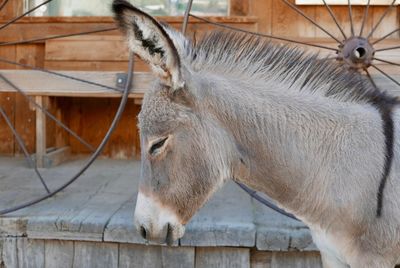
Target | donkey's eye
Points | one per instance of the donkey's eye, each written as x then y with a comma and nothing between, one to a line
157,145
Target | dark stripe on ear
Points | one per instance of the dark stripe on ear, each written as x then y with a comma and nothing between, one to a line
385,106
121,6
150,44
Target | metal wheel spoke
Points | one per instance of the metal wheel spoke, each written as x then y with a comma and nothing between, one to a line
365,18
23,148
186,17
381,18
387,48
56,36
24,14
3,4
386,36
52,117
350,17
334,19
385,74
386,61
370,79
59,74
262,35
300,12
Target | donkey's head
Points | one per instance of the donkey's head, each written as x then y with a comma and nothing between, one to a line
185,154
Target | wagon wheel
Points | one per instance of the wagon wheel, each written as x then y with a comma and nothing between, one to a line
45,190
355,50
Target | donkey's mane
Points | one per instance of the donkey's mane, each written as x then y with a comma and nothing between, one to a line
239,55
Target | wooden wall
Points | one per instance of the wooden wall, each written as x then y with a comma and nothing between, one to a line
23,252
90,117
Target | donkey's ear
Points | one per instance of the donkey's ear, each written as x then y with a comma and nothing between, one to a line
149,40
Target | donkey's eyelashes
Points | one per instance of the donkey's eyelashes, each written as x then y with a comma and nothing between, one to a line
157,145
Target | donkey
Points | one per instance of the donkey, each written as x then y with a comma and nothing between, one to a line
319,140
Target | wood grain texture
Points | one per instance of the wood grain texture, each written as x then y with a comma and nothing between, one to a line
7,102
262,9
32,83
260,259
296,260
41,133
179,257
389,23
239,7
222,257
59,254
9,253
31,54
132,256
30,252
96,255
287,23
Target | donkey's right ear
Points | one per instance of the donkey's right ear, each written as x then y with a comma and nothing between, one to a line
149,40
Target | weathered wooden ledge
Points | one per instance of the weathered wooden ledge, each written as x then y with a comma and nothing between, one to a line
99,207
90,224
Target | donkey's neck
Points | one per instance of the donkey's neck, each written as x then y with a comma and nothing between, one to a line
294,144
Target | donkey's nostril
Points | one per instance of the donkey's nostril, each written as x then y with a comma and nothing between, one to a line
143,232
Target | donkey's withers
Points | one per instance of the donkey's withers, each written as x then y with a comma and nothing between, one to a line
299,129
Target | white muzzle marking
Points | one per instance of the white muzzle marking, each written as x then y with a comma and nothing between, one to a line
161,223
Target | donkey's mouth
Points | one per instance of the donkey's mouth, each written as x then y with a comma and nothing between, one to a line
170,237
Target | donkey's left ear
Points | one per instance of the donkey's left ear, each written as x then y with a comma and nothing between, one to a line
148,39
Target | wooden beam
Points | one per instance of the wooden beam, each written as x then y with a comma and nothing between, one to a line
239,7
32,83
56,157
40,131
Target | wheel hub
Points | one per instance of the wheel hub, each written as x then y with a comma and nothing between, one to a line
356,52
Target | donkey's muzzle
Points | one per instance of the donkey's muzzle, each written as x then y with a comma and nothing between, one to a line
144,232
155,222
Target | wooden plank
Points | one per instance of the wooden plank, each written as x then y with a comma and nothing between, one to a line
324,19
287,23
7,102
41,131
30,252
59,254
116,66
260,259
84,213
238,7
31,54
32,83
124,142
226,220
179,257
10,257
131,255
57,156
262,9
296,260
222,257
61,113
389,23
84,49
11,9
95,254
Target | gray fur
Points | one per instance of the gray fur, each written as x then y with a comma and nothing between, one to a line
284,123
